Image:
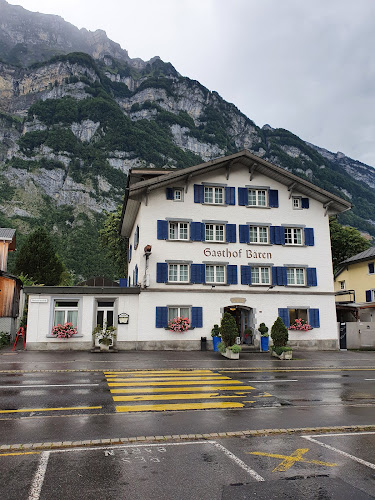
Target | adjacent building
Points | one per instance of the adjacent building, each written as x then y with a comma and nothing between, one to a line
235,234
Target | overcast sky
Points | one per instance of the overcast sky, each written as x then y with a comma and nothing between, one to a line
303,65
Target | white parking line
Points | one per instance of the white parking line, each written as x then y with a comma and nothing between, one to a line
36,486
340,452
369,378
42,385
272,380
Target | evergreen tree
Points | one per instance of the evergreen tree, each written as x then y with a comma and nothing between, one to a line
345,242
38,260
279,333
115,244
228,329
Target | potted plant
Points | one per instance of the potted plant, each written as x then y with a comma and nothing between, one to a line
264,338
248,336
65,331
105,335
216,337
229,333
280,336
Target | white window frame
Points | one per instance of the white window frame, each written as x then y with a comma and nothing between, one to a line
215,232
181,193
257,229
178,229
66,310
342,285
261,275
293,239
209,198
297,202
215,278
179,265
179,308
258,197
296,271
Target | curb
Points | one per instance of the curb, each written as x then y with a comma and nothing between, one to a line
37,447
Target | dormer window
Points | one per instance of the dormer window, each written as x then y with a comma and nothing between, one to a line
178,195
296,203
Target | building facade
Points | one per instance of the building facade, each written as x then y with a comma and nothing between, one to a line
236,234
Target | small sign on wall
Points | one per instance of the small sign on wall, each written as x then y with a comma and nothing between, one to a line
40,300
123,319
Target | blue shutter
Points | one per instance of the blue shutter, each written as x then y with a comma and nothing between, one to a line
123,283
305,203
244,233
197,273
196,231
136,237
161,272
314,318
371,268
309,236
198,193
277,235
274,275
230,196
311,276
161,317
245,275
169,193
232,275
196,317
368,296
129,284
230,233
136,275
284,315
243,196
273,197
162,230
130,253
279,276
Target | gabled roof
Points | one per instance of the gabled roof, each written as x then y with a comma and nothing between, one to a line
8,234
368,254
135,191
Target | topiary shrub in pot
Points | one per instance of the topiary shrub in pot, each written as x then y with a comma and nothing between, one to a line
264,340
229,333
280,337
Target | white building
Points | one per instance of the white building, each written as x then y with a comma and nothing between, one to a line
234,234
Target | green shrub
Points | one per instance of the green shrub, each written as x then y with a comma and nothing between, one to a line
280,350
279,333
263,329
215,332
228,329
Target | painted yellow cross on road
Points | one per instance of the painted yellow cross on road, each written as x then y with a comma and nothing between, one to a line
289,460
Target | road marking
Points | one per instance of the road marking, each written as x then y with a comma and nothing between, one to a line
340,452
180,389
265,395
28,410
36,486
239,462
164,379
152,373
272,380
165,397
192,382
179,406
42,385
20,453
369,378
289,460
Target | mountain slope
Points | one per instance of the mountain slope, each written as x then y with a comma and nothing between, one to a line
72,126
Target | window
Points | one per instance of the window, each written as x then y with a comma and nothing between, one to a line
65,311
178,231
296,203
260,276
258,234
178,273
298,314
371,269
257,197
342,285
178,195
293,235
214,232
214,195
215,273
178,311
295,275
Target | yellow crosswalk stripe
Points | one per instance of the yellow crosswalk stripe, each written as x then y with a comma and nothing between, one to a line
165,397
179,406
26,410
174,382
162,372
163,379
180,389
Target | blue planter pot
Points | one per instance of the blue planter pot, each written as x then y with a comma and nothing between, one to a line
216,341
264,341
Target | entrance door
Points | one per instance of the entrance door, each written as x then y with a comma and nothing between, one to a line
242,317
105,315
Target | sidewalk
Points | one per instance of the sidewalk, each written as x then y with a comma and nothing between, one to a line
165,360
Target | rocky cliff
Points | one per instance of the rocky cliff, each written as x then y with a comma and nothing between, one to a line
72,126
